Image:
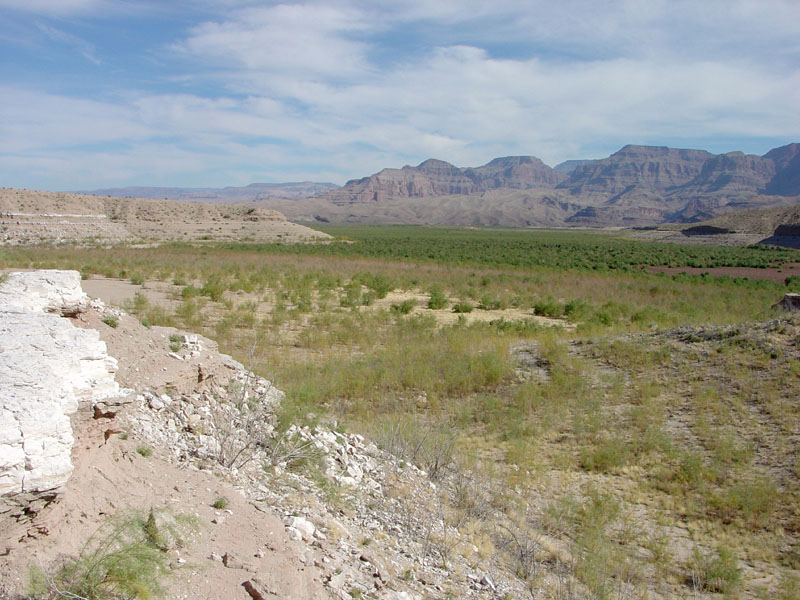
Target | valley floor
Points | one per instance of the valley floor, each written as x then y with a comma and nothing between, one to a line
583,432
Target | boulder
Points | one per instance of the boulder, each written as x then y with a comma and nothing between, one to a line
789,302
48,369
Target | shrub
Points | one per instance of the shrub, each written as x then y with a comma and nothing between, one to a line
139,303
437,299
716,571
548,308
351,295
367,299
220,503
175,342
752,501
158,315
111,321
792,282
489,303
126,558
405,307
190,291
213,288
145,451
606,456
602,318
379,283
691,470
576,309
427,446
462,307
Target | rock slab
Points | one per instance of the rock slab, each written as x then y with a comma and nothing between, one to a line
48,369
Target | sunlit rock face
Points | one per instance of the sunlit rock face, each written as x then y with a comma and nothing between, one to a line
48,370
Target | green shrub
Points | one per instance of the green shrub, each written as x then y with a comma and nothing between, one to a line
577,309
213,288
606,456
437,299
462,307
602,318
111,321
487,302
716,571
220,503
158,315
145,451
125,559
691,470
379,283
139,303
351,295
367,299
548,308
751,501
405,307
190,291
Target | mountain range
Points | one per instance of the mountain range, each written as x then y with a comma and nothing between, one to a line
227,195
635,186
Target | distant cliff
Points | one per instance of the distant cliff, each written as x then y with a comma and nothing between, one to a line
637,185
438,178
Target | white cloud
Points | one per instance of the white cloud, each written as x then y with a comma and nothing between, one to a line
83,47
298,40
54,7
339,90
33,120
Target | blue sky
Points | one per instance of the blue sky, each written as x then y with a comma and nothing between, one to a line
102,93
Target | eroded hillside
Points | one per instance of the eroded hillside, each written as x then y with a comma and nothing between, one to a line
32,217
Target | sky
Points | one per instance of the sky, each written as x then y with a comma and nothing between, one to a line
104,93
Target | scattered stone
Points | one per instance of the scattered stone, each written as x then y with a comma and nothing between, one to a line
304,527
231,561
257,589
99,413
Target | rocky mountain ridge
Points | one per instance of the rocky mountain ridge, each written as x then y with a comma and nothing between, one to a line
438,178
637,185
229,194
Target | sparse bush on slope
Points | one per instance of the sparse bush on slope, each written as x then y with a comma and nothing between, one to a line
126,559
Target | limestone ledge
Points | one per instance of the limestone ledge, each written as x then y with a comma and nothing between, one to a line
48,370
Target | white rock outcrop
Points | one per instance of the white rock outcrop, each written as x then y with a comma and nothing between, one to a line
48,369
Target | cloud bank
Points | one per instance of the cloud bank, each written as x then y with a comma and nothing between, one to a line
231,92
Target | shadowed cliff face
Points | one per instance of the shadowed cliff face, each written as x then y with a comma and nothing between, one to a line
787,163
643,169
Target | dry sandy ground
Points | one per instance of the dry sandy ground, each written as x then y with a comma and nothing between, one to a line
120,479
